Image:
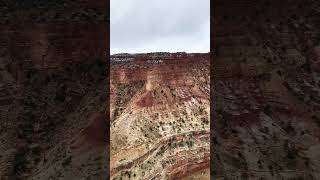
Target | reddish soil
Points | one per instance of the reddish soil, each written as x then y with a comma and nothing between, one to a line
189,168
146,100
96,132
170,68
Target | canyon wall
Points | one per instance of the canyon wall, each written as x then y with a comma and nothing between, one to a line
265,90
159,112
53,91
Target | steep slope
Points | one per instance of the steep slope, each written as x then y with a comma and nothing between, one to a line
49,11
266,90
160,117
67,139
53,115
58,124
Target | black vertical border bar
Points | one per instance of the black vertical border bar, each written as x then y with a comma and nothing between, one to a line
107,60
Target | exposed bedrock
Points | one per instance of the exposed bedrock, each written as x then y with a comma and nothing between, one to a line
266,90
160,117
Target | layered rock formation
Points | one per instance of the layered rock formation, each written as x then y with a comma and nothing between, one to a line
159,115
53,94
49,11
266,90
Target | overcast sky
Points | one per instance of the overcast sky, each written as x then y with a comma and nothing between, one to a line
160,25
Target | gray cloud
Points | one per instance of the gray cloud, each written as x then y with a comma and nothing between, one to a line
160,25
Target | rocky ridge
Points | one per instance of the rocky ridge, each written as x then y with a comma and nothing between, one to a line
159,116
53,121
266,90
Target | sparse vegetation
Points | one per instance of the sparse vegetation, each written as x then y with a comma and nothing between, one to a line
67,161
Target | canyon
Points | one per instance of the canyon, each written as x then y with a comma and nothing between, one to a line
265,77
263,99
53,90
160,116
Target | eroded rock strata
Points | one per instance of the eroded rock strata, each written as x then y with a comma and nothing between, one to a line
53,121
159,115
266,90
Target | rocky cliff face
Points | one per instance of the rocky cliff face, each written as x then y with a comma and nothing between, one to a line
266,90
53,95
52,11
160,118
